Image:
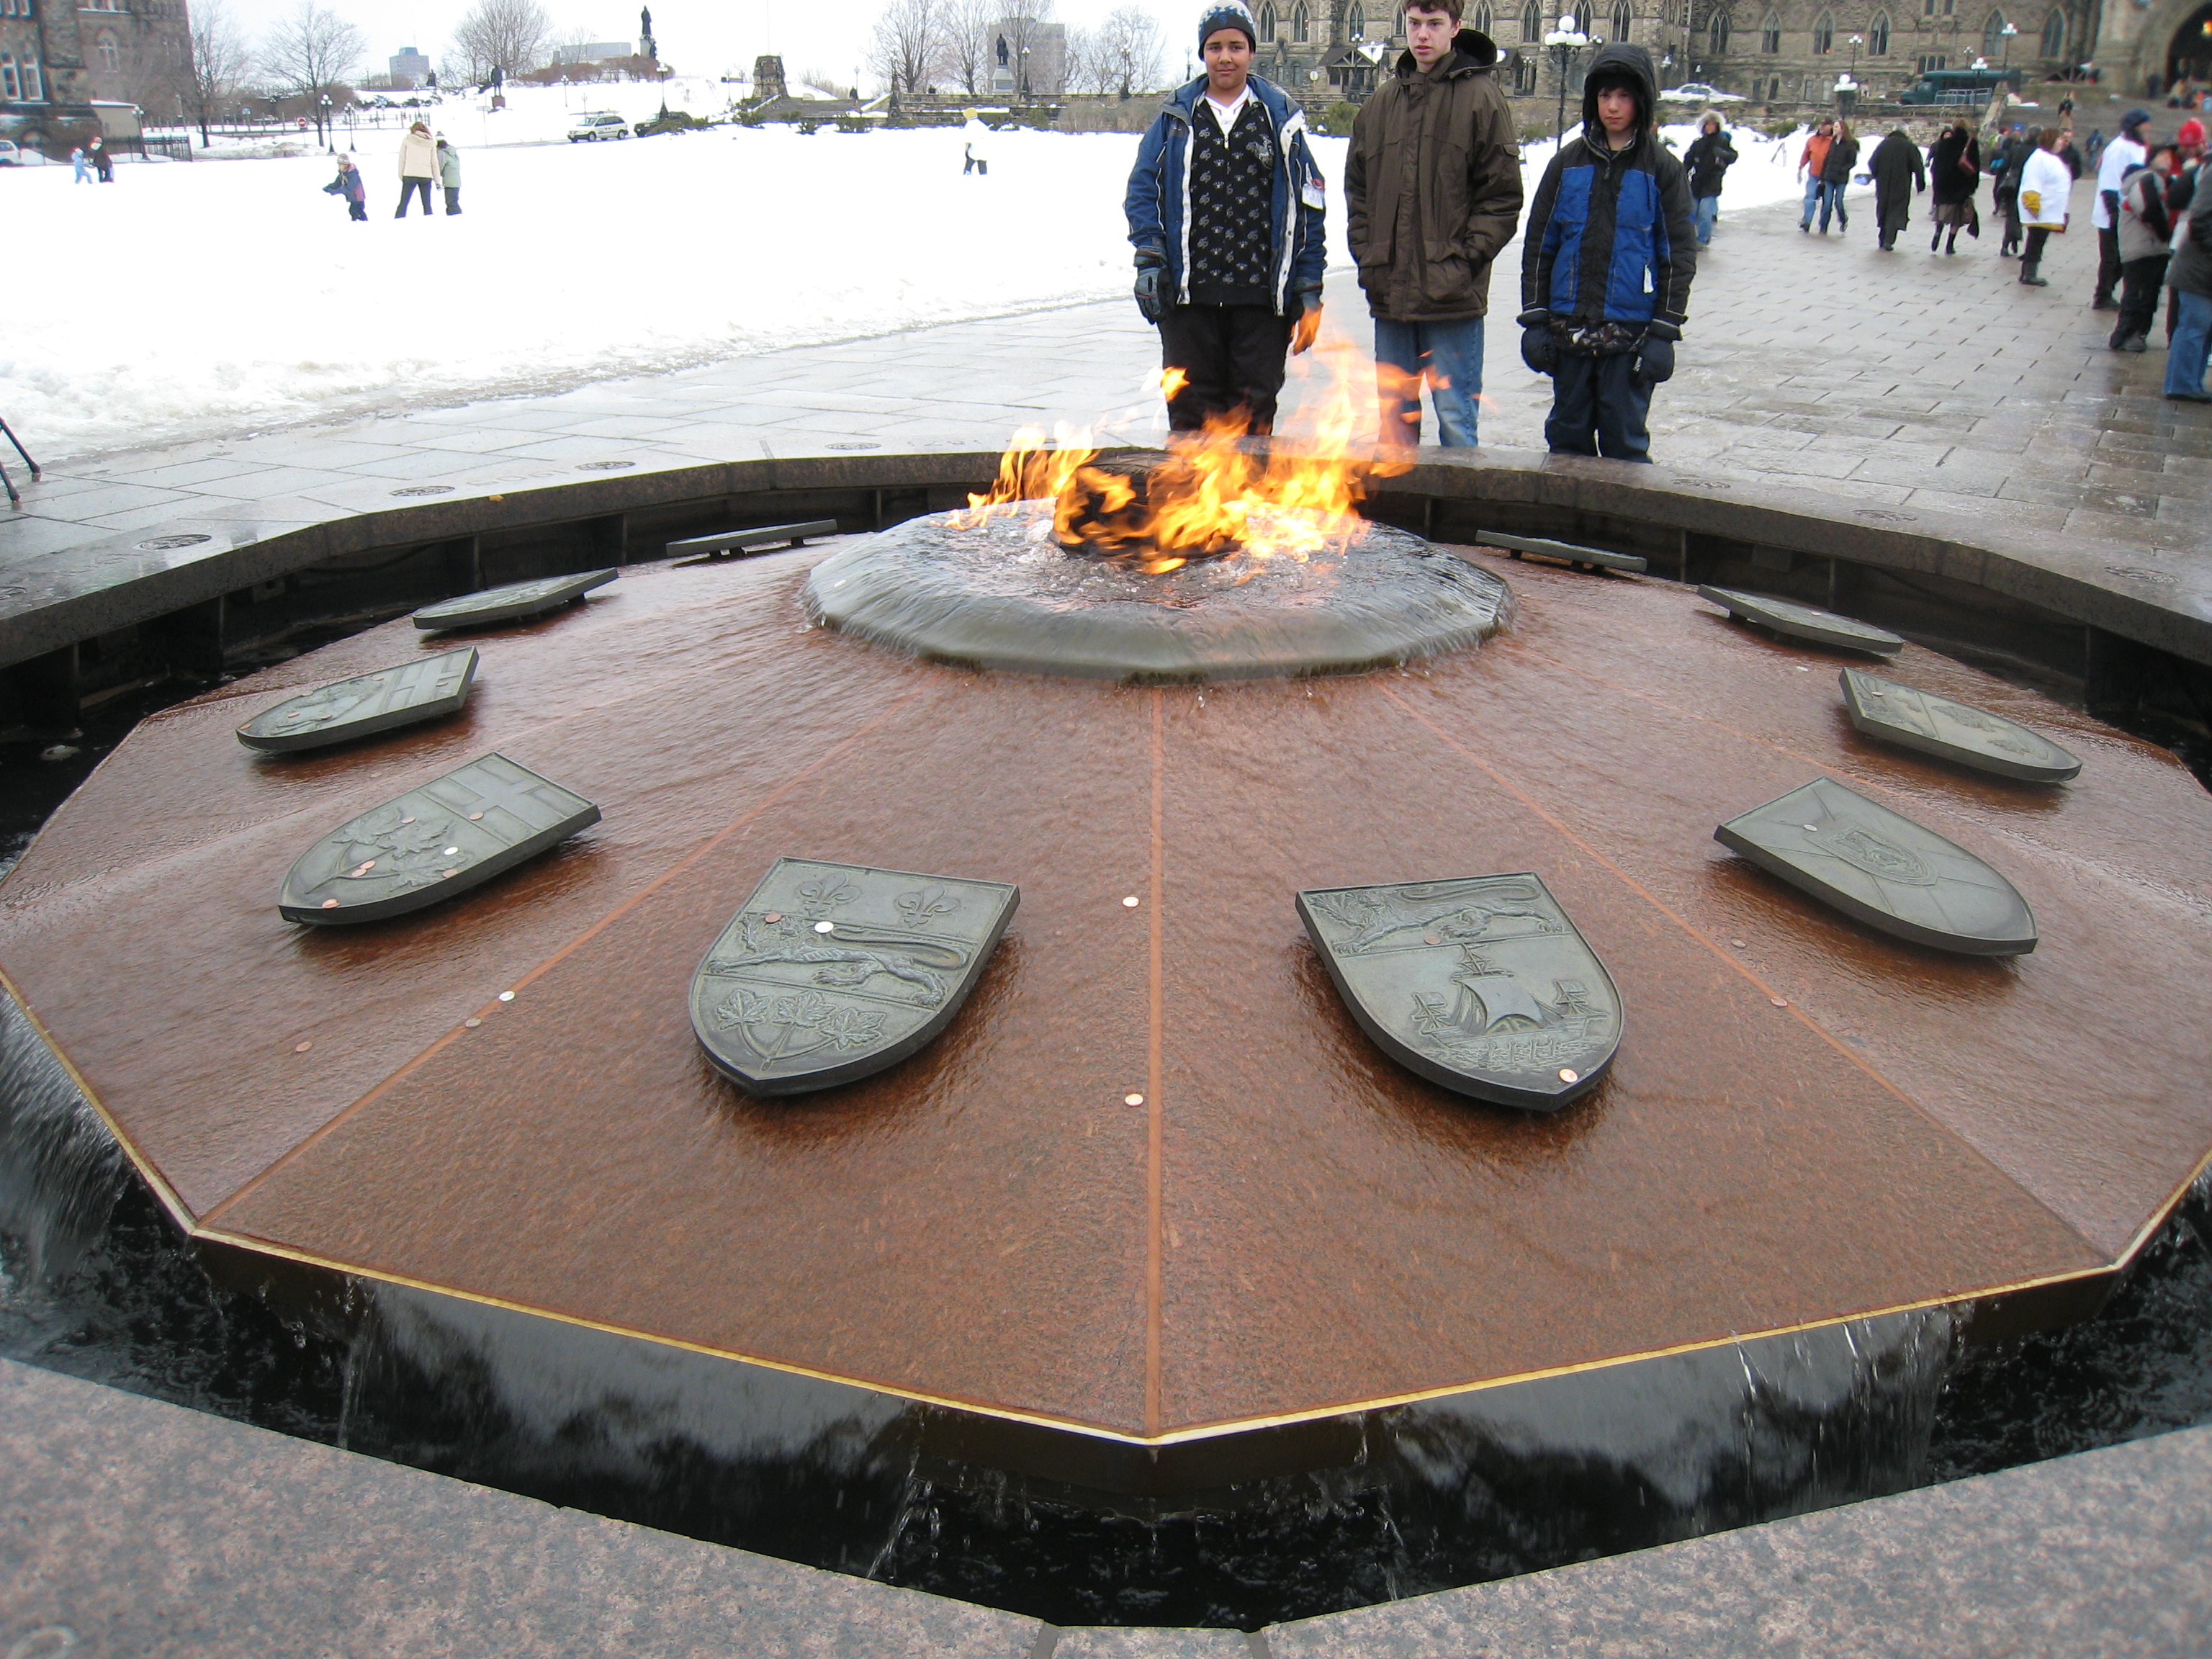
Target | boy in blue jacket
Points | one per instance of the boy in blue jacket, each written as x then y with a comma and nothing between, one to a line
1225,213
1606,266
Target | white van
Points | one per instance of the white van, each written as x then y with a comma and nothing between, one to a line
597,125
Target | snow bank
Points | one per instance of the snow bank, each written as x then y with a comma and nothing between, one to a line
211,299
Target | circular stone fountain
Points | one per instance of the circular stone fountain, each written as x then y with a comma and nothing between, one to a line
997,590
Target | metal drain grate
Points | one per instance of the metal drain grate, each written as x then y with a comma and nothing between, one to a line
854,446
165,543
2164,579
603,467
1884,514
425,489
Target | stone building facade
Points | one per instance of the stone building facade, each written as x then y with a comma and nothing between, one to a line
58,58
1778,51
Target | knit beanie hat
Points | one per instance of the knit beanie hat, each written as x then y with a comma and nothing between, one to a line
2191,132
2134,118
1227,15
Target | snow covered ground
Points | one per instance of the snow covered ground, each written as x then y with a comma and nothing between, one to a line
210,298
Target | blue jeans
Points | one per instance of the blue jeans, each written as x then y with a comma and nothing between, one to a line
1709,211
1449,357
1598,408
2193,343
1831,199
1812,197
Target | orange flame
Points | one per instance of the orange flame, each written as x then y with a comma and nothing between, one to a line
1216,494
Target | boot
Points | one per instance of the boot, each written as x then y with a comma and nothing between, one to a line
1951,245
2028,277
1937,240
2135,342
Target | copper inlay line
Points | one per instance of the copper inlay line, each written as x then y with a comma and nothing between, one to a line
1174,1437
829,758
1743,971
1156,1003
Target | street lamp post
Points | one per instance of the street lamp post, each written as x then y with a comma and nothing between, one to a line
327,125
1564,41
2006,34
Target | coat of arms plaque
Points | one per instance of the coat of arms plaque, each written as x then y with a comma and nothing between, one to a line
1952,731
834,971
512,603
426,688
1804,622
1482,984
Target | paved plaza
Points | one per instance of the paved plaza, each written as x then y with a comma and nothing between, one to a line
1891,379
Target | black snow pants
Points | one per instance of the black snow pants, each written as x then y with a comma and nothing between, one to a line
408,187
1232,358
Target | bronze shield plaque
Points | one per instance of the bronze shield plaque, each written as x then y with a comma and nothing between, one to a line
832,971
1884,869
1483,984
1952,731
1804,622
426,688
450,834
511,602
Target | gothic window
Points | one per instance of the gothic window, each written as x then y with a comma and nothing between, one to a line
1301,23
2054,34
1770,34
1878,36
34,85
11,89
1993,35
1722,29
1359,23
1823,33
1484,22
109,50
1267,22
1624,15
1524,75
1532,23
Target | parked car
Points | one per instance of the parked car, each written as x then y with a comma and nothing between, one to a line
10,156
1973,86
596,126
669,120
1697,92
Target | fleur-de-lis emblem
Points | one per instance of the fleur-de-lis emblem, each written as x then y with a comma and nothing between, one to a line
921,908
825,893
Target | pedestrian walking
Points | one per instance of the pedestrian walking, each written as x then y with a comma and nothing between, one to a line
2092,150
1898,176
1709,158
1954,175
418,165
348,186
973,162
2189,276
2044,184
103,162
1226,208
2004,187
1811,161
1607,262
2145,241
1432,192
84,174
449,175
2121,157
1835,173
2181,192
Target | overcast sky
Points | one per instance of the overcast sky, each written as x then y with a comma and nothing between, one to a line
698,37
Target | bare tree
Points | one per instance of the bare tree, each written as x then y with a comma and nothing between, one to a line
216,59
1127,44
905,50
966,30
512,36
308,55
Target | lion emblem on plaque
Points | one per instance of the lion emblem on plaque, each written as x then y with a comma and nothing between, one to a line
1482,985
833,971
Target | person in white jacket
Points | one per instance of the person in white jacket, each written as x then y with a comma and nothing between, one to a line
2121,157
418,166
2044,186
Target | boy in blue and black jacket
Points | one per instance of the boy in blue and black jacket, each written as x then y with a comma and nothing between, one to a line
1226,210
1606,266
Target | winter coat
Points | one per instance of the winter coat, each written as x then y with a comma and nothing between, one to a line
2121,157
1711,156
449,166
1611,237
1954,167
347,183
2191,268
1843,156
2005,166
418,157
1157,205
2146,229
2044,184
1814,157
1432,185
1897,174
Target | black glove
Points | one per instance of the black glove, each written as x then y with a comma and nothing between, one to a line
1150,264
1305,318
1654,360
1539,349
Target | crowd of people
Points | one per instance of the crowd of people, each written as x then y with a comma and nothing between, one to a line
423,160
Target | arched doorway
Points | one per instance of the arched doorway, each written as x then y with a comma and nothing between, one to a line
2190,52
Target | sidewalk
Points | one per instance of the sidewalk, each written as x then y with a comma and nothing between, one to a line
1888,379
